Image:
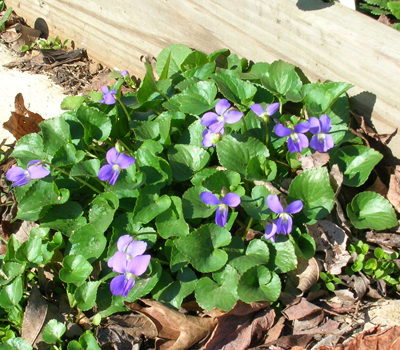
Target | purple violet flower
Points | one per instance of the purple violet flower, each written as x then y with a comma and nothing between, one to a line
268,112
21,177
297,140
130,262
284,223
116,162
124,73
230,199
108,96
225,115
321,141
210,139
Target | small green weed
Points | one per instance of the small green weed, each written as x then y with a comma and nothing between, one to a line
47,44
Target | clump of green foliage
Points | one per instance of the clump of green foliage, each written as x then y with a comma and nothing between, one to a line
47,44
379,7
5,16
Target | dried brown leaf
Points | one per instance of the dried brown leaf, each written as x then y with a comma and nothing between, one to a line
240,326
393,194
332,240
316,160
176,331
302,309
384,239
378,187
19,124
372,339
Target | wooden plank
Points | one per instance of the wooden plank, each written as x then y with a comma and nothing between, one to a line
326,40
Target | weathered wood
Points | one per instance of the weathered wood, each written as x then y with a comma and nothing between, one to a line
326,40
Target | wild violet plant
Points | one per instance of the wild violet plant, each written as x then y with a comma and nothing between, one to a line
145,172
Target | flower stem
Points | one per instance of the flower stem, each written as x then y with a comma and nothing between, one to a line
266,121
247,229
75,178
124,108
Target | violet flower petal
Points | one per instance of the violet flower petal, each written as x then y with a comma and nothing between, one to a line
301,127
325,123
273,108
274,204
222,106
124,161
38,172
303,141
294,146
114,175
284,224
16,173
315,125
112,155
257,109
209,198
221,216
33,162
282,131
217,127
208,138
109,99
233,116
124,73
294,207
329,142
123,242
231,199
104,89
139,264
117,285
119,262
136,248
209,118
105,172
270,232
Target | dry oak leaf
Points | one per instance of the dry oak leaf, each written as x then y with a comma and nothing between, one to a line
176,331
22,121
393,194
242,325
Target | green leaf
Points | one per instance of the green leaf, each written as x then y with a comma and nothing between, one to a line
282,78
16,343
56,133
148,89
171,57
193,207
88,341
67,155
313,188
66,218
75,269
96,124
221,294
11,294
369,210
171,222
53,331
197,98
149,205
86,295
220,179
185,160
282,255
29,147
193,60
356,162
102,211
257,253
73,102
235,151
175,292
259,284
322,96
234,89
41,194
394,7
30,251
202,247
261,169
86,241
87,168
256,205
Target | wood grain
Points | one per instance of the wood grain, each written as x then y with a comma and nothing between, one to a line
326,40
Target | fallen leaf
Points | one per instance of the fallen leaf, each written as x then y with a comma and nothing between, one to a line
385,20
384,239
302,309
393,194
332,240
306,275
378,187
175,331
275,332
372,339
315,160
19,124
240,326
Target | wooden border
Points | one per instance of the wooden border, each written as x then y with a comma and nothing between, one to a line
326,40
